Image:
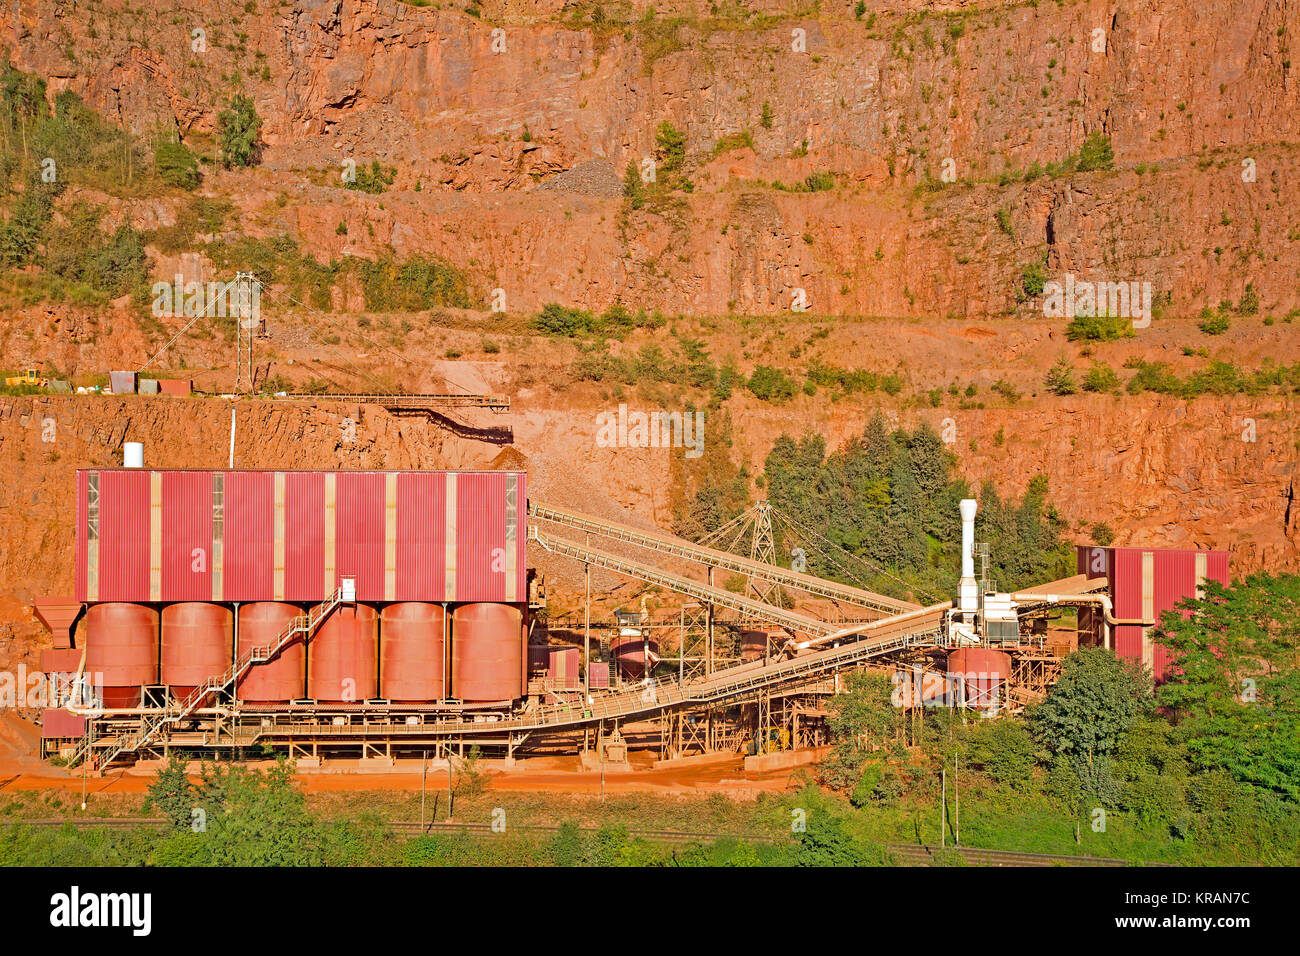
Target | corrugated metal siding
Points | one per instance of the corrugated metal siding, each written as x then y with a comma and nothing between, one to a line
421,536
1126,592
360,531
1175,579
187,543
1170,576
289,535
1217,566
249,558
79,585
304,536
481,537
124,535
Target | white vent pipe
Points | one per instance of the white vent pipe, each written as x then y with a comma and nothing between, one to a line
968,590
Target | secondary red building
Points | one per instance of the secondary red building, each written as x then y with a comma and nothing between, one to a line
1146,582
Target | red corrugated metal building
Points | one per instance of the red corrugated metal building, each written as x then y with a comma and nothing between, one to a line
159,536
1146,582
558,662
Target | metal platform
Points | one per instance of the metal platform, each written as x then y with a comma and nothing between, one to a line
497,403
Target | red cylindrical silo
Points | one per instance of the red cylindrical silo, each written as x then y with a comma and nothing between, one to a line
523,649
121,651
982,673
411,652
343,658
634,656
196,643
283,678
487,652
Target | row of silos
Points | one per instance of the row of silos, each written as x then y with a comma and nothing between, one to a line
361,652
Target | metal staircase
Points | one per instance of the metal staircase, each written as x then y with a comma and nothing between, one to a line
303,624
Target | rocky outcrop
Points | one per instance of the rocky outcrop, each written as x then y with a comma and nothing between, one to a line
478,111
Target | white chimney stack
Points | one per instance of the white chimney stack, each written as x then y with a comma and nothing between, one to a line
133,454
968,590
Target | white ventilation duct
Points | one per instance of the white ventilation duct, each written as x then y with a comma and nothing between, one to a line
968,590
133,454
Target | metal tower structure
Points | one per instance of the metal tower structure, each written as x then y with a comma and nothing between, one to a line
247,320
763,550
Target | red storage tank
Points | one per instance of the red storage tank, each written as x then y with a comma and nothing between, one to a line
984,674
342,663
411,648
488,658
634,656
122,650
285,677
196,643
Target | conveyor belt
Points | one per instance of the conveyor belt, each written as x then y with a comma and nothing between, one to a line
679,547
879,638
701,592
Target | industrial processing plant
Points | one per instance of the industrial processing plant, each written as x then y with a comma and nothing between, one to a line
385,614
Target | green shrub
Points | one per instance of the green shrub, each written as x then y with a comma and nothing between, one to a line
1033,278
1249,303
771,384
1003,217
21,233
1213,323
1100,378
239,128
848,380
1095,153
1153,377
1099,328
1006,390
198,214
176,164
617,320
633,187
413,285
1102,534
671,147
373,180
1005,751
80,253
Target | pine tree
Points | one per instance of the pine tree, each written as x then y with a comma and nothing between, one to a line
1060,378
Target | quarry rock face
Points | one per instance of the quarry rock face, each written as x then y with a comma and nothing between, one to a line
480,111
